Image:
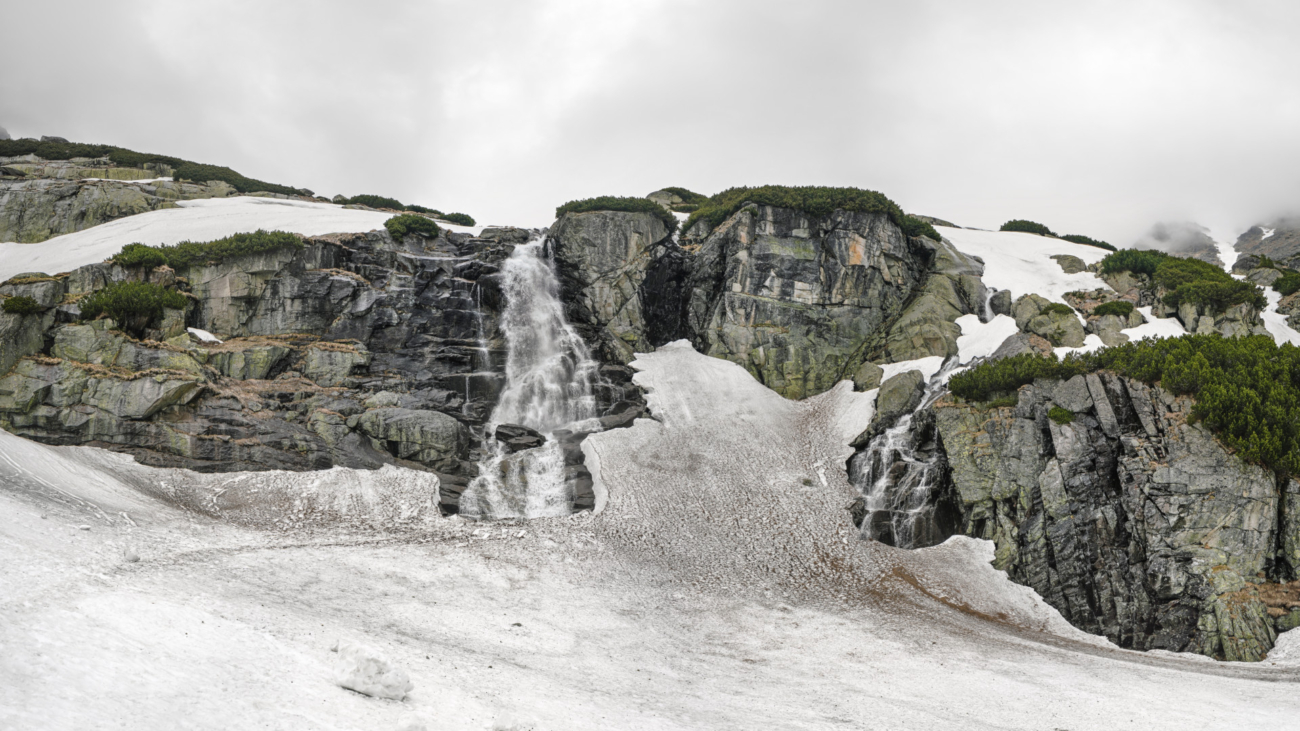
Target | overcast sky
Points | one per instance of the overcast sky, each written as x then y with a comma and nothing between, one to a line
1092,117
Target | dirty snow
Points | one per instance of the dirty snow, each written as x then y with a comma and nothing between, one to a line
197,220
721,587
203,335
1020,262
980,339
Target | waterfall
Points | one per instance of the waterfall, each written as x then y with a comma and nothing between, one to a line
549,375
898,474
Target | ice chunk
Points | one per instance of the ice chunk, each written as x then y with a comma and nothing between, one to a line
203,335
365,670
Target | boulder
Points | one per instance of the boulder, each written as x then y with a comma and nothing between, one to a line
1070,264
927,326
1022,343
1263,277
254,362
1000,302
431,438
506,234
367,671
516,438
1056,322
867,376
899,395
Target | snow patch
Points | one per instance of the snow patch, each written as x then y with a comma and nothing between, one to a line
1155,327
1275,322
927,366
980,339
366,670
1022,262
203,335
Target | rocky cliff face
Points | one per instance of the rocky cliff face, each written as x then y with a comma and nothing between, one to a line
801,302
1128,519
1278,240
353,350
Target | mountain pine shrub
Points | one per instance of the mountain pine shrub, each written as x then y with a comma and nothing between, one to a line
21,305
1119,308
1060,415
1288,283
616,203
460,219
192,253
409,223
1029,227
813,200
1086,241
135,306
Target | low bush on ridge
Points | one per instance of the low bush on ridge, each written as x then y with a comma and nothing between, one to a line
1087,241
1246,390
1029,227
813,200
616,203
1186,280
134,306
192,253
409,223
1119,308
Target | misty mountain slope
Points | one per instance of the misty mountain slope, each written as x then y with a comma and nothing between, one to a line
596,621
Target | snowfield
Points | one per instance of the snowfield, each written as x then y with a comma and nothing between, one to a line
196,220
720,587
1021,262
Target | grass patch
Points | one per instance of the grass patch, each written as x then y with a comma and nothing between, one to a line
615,203
409,223
1246,390
813,200
21,305
1060,415
134,306
1119,308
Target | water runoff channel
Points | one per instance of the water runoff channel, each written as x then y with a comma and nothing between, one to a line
549,377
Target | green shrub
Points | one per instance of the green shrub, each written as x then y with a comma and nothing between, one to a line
421,209
615,203
1137,261
21,305
688,196
139,255
1246,390
134,306
460,219
376,201
1056,308
204,173
409,223
1001,378
1060,415
1173,272
813,200
1287,284
1265,263
193,253
1029,227
1077,239
1119,308
1217,296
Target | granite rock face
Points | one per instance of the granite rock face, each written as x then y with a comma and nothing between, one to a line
1056,322
799,301
1131,521
353,350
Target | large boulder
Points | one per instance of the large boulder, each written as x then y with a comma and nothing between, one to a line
898,395
1054,321
429,437
35,209
927,327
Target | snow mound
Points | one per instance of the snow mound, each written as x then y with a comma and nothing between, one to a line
1022,263
981,339
203,335
197,220
364,669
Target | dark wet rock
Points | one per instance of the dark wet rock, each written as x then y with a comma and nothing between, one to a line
516,438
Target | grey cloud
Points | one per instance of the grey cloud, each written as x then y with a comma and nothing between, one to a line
1093,117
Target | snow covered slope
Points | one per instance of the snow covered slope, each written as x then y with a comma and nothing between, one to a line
1021,262
197,220
720,588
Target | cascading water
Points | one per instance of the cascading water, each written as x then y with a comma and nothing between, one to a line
549,375
899,472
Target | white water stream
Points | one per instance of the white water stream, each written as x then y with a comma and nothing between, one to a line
549,376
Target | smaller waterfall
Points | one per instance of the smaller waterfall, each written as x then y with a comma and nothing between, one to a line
898,474
549,374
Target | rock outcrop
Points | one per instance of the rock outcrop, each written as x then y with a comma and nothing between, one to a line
1279,240
352,350
1132,521
33,210
1055,322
